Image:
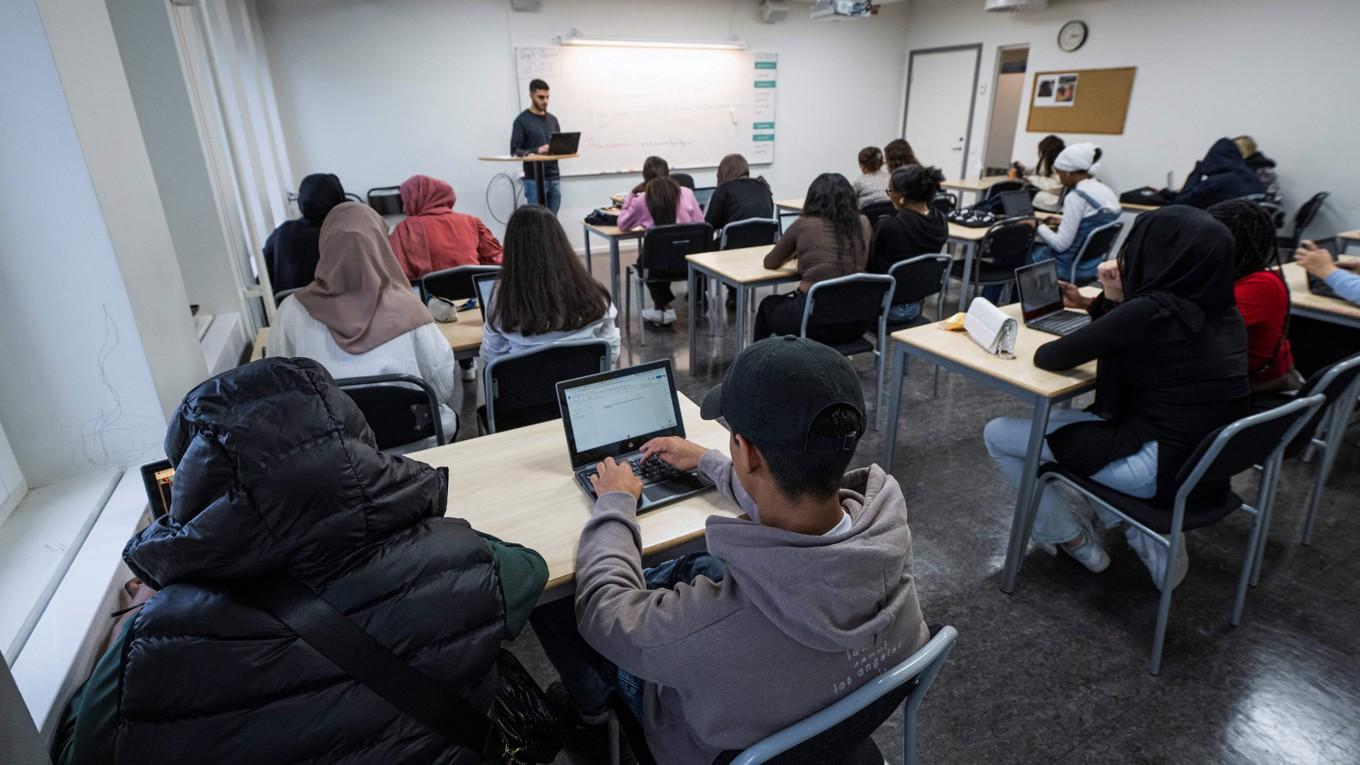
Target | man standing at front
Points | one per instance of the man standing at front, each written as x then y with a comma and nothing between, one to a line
533,127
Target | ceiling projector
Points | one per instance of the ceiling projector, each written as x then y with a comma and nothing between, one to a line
841,9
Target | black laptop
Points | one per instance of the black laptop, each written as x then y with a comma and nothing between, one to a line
1319,286
484,285
564,143
1017,204
1041,300
612,414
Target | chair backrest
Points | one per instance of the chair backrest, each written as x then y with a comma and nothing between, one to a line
664,247
1255,440
1275,212
877,211
385,200
1307,212
351,196
453,283
837,729
1001,187
281,294
1096,247
916,279
857,297
751,232
1008,243
684,179
1336,382
521,388
400,409
946,202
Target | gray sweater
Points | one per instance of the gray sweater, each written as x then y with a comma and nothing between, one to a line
799,621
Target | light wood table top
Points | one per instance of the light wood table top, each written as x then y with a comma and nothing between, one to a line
614,232
789,204
1349,234
518,486
1301,298
1020,371
527,157
463,335
744,265
967,233
978,185
1133,208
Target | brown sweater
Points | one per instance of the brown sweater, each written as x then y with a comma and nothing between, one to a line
810,241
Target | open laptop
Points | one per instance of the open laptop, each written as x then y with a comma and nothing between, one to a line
612,414
1017,204
564,143
702,194
484,285
1041,300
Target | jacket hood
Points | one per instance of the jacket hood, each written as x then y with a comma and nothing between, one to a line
276,470
828,593
1223,157
1259,159
317,194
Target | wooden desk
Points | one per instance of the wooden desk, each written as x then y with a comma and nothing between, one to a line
1306,304
1018,377
1345,239
464,336
518,486
741,269
978,186
614,235
787,208
1129,207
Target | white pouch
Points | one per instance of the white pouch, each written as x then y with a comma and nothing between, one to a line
444,311
990,328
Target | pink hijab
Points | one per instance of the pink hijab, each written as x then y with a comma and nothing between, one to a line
359,291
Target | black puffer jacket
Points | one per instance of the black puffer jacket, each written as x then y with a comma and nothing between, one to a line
1221,175
276,471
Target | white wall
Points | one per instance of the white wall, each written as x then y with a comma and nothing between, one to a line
1283,72
376,90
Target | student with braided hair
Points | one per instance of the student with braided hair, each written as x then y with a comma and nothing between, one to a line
1261,293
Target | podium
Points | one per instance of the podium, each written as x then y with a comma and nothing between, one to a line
536,160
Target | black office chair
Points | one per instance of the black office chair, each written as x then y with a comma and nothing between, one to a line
945,202
351,196
400,409
877,211
1096,248
385,200
914,280
452,283
1004,248
1001,187
750,232
684,179
847,301
1302,219
661,257
1203,495
521,389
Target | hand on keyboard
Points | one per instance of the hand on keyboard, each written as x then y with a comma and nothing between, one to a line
616,476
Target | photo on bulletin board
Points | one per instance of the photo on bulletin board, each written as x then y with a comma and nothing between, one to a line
1058,90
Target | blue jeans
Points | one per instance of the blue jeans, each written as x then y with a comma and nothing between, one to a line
903,312
554,193
1057,520
589,677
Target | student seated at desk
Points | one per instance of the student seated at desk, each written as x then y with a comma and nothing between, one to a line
652,167
432,237
786,612
1088,205
662,203
1263,166
1262,295
738,195
1172,352
1043,176
1317,344
871,187
830,239
359,316
1220,176
290,253
916,228
544,294
277,478
898,154
1343,277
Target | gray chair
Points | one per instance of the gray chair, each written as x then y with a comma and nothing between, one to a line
854,298
1203,496
452,283
385,200
1004,248
400,409
748,232
521,388
946,202
1097,247
914,280
1340,384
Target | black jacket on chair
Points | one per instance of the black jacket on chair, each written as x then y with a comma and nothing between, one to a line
1220,176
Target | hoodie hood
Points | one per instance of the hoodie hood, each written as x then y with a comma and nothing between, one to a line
829,593
423,195
1223,157
276,470
1259,160
318,194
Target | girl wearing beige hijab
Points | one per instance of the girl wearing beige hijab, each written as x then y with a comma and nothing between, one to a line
359,316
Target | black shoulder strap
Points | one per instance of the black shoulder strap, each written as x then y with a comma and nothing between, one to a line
353,650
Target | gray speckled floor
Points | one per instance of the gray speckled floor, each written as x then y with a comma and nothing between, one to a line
1056,672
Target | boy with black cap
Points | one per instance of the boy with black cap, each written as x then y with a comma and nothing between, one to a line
801,604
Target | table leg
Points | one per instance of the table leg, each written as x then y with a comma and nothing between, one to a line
899,371
743,295
1021,520
614,272
540,175
590,267
968,248
693,309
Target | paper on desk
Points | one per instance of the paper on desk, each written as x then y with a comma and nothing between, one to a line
990,328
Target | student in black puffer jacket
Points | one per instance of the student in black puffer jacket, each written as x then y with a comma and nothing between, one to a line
276,473
1220,176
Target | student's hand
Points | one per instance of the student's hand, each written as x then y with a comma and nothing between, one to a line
1314,259
1052,222
674,451
1072,297
615,476
542,149
1110,281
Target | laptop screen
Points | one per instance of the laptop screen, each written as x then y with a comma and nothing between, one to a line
1039,292
485,284
615,412
1016,203
703,194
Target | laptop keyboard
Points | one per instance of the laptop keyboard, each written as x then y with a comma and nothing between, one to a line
651,470
1061,323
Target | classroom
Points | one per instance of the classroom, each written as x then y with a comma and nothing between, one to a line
716,381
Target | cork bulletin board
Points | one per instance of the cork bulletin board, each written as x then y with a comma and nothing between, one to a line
1095,101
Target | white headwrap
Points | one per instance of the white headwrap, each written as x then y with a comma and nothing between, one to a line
1078,157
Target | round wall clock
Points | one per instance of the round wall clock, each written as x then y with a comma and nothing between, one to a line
1072,35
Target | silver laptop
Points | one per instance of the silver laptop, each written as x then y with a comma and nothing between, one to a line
1017,204
702,194
1041,300
612,414
484,285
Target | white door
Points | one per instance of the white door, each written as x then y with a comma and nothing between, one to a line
940,107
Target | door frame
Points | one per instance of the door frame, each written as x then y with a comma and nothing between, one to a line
991,102
972,99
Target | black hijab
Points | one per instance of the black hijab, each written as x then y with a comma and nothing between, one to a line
1181,258
292,251
317,194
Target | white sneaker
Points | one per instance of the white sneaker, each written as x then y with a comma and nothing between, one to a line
1154,555
668,316
653,316
1091,552
470,373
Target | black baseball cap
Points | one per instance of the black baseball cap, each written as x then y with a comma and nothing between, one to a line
776,389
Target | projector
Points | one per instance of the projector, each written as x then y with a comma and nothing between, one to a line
841,9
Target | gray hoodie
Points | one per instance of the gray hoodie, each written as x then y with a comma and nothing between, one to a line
798,622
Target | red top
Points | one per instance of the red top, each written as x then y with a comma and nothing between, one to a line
434,237
1263,301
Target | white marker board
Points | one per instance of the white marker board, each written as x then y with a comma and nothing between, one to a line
690,106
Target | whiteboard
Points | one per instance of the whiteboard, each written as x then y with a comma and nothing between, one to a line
690,106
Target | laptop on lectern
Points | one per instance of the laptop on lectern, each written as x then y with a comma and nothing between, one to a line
564,143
